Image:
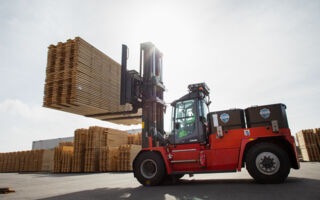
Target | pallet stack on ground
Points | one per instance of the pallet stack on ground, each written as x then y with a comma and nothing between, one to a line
30,161
80,138
82,80
108,159
103,159
96,149
62,159
47,160
135,139
23,161
317,132
126,155
309,144
66,163
99,137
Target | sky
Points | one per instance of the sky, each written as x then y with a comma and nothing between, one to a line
248,53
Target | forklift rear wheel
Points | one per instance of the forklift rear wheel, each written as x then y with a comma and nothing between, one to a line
149,168
268,163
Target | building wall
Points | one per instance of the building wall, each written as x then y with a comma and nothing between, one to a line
49,144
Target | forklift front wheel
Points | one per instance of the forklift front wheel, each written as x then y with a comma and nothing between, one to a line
149,168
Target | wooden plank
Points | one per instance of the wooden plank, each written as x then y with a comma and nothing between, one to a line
6,190
80,79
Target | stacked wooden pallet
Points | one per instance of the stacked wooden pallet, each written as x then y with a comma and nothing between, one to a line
66,161
135,139
31,161
47,160
126,155
70,144
99,137
62,159
82,80
4,162
103,159
57,160
80,139
93,150
309,143
108,160
24,161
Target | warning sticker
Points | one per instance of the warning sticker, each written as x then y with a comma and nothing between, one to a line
246,132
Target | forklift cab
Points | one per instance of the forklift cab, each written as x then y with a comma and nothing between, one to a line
189,116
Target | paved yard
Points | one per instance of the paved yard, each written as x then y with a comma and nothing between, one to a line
301,184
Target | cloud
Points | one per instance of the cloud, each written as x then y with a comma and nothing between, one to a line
21,124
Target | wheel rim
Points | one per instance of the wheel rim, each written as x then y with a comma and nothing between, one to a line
148,168
267,163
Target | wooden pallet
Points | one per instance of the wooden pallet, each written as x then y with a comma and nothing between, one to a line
316,131
80,139
24,161
309,143
6,190
47,160
112,158
82,80
310,153
100,137
135,139
66,161
62,159
127,153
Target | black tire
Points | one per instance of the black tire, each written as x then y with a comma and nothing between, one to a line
268,163
149,168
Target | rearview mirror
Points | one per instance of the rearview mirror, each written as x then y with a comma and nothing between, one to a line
177,125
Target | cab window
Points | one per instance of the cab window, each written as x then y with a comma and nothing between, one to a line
203,110
185,118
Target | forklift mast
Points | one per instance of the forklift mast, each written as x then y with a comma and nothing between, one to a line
144,90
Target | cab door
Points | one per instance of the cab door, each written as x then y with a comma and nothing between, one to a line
185,122
185,153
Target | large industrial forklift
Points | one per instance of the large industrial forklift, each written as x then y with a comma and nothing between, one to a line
257,138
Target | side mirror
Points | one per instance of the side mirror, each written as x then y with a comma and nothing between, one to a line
177,125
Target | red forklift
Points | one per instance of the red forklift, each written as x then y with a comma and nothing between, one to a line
257,138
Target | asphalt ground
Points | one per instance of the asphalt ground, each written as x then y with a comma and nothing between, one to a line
301,184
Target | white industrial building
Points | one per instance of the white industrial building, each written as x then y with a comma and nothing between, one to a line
49,144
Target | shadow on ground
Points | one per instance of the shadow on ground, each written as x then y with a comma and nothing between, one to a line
293,188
